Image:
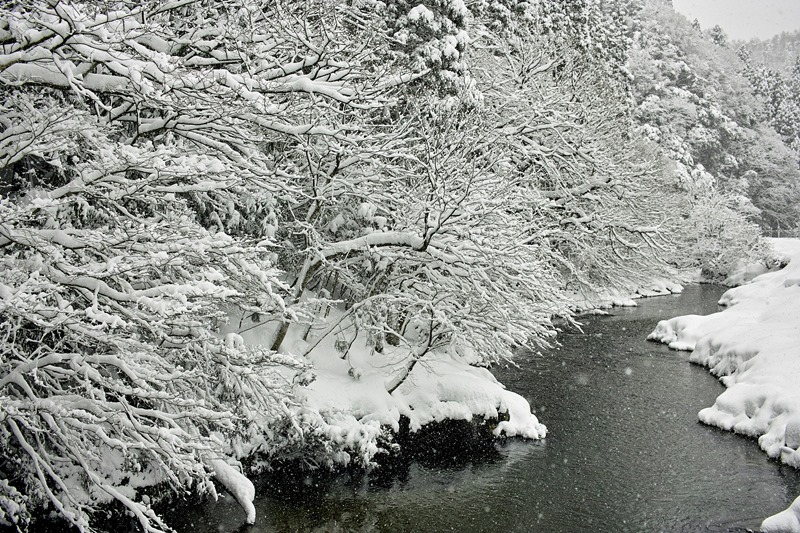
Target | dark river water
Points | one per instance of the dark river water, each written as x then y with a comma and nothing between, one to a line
624,452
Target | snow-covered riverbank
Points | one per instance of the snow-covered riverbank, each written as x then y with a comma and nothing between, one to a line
357,389
754,347
369,388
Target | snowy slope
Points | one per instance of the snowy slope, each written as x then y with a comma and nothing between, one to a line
353,393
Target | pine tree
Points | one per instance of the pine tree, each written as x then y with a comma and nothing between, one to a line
718,36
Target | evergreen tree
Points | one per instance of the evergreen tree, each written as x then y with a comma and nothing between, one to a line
718,36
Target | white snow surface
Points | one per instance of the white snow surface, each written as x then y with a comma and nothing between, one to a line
753,346
442,385
238,485
352,394
787,521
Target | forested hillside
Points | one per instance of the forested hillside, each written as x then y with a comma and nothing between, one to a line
778,53
779,89
696,101
397,177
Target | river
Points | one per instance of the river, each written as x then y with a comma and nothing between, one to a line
624,452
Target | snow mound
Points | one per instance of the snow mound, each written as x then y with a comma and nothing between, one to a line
787,521
681,333
358,390
441,387
446,387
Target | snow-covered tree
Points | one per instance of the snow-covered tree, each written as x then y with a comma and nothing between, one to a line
718,36
519,168
589,177
716,240
780,93
436,261
145,150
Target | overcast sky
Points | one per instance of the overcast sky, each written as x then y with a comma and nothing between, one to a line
743,19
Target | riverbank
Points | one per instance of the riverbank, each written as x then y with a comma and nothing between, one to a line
365,395
598,390
753,346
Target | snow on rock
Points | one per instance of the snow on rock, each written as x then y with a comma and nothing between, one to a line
598,299
787,521
351,395
659,287
521,422
753,346
238,485
446,387
442,386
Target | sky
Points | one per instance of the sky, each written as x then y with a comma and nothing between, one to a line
743,19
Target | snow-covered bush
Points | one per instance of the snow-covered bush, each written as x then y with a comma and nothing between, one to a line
718,237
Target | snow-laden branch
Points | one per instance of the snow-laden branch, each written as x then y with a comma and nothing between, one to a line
152,160
376,239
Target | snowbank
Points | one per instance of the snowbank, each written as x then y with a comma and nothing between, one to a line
351,392
441,386
754,348
596,302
